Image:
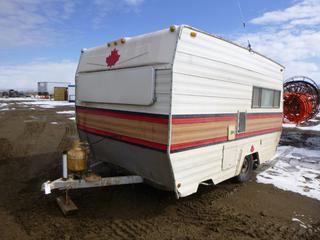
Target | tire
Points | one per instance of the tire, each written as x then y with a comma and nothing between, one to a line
246,170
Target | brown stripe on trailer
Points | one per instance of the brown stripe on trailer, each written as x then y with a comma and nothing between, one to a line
188,131
132,140
182,133
141,129
158,118
263,123
148,131
193,132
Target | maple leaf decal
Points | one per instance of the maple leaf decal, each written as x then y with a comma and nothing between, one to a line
112,58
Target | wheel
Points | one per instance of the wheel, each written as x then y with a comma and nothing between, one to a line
246,170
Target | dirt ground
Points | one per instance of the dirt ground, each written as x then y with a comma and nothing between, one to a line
31,142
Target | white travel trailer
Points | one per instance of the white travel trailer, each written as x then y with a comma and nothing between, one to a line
179,107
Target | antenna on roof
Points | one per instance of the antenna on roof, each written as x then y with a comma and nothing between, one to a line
244,24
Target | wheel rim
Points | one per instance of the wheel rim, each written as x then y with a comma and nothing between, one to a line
245,166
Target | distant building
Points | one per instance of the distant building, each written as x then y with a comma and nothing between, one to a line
46,89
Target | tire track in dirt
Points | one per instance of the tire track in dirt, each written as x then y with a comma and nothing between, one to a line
130,229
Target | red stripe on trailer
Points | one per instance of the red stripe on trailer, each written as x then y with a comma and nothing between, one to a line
177,146
254,133
130,116
124,138
264,115
206,142
202,119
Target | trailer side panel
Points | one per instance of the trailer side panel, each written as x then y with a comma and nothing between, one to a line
213,83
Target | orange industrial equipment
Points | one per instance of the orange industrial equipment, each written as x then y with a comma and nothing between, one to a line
301,99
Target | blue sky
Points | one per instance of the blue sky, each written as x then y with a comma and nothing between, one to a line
40,40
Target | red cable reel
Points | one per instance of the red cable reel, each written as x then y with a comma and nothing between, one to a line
301,99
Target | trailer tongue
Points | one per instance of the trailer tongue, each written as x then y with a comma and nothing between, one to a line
75,175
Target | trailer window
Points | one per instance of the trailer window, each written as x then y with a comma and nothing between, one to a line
256,97
265,98
276,99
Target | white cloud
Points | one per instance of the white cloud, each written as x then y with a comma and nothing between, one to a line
302,13
309,69
42,22
285,45
26,76
290,36
31,22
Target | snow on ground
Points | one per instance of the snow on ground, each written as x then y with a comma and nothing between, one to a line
289,125
72,118
3,105
311,128
43,103
66,112
302,224
296,170
20,99
313,120
48,103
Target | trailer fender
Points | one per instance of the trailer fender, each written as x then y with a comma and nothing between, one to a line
247,150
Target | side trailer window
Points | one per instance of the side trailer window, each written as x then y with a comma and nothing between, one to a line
256,97
242,119
276,99
265,98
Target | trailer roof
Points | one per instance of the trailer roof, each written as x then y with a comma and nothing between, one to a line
229,41
179,30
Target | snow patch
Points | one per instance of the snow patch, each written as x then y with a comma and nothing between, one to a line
296,170
306,128
72,118
289,125
48,103
20,99
312,128
3,105
302,224
66,112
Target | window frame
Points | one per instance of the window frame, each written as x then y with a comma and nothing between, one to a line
260,89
